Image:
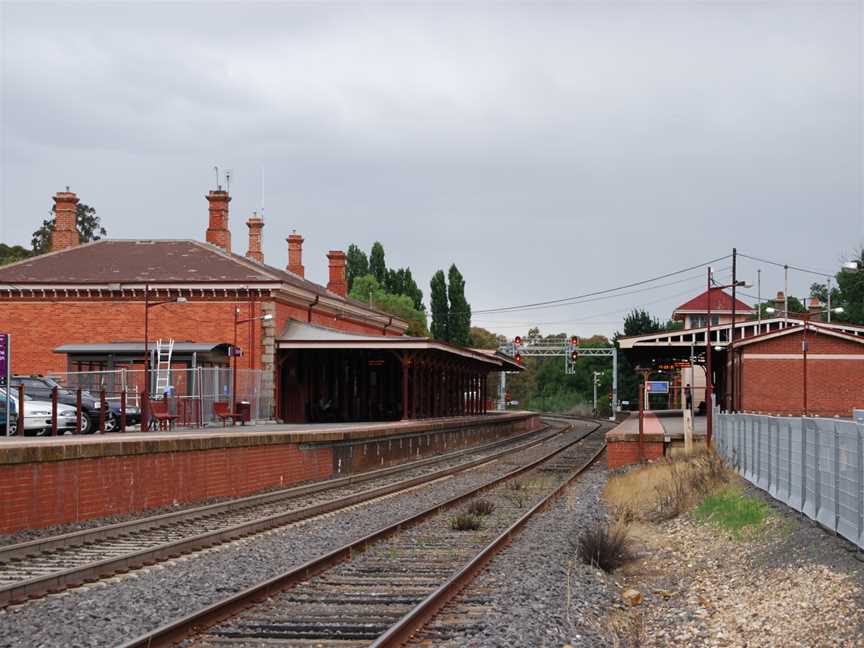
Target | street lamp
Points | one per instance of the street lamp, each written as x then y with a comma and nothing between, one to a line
145,397
709,386
235,349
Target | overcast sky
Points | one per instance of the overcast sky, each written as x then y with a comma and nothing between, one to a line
548,150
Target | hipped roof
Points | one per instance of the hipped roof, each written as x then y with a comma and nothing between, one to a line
154,261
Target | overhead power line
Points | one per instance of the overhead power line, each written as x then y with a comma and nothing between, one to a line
786,265
565,300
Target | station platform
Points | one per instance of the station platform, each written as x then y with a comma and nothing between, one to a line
58,480
663,430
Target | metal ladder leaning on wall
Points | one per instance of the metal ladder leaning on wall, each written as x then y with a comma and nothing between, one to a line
163,366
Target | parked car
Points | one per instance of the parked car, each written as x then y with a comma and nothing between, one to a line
13,414
37,415
40,387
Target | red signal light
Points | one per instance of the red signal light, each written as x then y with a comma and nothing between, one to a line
574,341
518,358
518,340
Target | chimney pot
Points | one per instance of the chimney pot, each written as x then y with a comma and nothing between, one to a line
255,225
65,234
338,265
295,254
218,233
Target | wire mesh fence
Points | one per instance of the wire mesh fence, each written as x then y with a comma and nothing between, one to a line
191,396
814,465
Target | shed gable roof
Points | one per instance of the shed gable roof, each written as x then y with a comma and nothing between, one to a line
721,302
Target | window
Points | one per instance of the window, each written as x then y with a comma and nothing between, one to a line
701,321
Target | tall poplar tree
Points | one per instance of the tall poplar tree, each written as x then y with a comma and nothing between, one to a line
460,310
377,265
357,264
439,306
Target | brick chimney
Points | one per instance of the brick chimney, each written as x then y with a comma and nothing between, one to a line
295,254
338,281
65,234
255,225
217,232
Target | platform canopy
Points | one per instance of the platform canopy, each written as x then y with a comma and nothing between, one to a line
329,375
300,335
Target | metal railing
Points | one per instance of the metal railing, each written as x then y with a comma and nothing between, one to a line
814,465
191,394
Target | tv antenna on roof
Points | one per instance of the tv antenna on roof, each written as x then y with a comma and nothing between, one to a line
228,180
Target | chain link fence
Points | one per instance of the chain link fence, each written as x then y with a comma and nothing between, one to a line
814,465
190,396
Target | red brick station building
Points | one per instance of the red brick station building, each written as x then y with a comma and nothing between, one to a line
785,366
82,308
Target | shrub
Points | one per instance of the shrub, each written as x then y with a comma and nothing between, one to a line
465,521
603,546
481,507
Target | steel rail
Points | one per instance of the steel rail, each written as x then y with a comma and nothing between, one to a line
402,632
211,615
85,536
54,582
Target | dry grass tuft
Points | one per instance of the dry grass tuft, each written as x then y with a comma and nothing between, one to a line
604,546
667,488
464,521
480,507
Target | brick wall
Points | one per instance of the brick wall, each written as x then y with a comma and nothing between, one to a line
38,327
624,452
776,384
34,495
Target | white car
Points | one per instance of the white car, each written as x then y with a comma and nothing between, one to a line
37,416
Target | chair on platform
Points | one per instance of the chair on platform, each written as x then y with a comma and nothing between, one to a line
160,416
223,411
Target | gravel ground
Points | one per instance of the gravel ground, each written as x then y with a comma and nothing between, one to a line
114,610
536,593
792,584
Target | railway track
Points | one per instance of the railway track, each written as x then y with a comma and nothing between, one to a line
49,565
381,589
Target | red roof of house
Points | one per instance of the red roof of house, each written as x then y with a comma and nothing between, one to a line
721,302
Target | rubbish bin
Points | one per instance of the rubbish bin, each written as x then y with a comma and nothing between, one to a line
244,412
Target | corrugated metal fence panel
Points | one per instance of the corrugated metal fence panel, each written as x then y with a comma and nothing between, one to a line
826,473
810,469
796,463
763,450
814,465
849,520
776,483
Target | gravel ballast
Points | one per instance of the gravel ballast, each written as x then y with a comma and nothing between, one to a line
536,592
115,610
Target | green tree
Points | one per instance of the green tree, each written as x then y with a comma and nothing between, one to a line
483,339
440,307
851,286
410,288
377,264
367,290
86,221
460,310
795,306
13,253
357,264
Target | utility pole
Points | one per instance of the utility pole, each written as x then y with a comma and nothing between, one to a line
786,293
597,375
759,298
731,403
829,299
709,387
